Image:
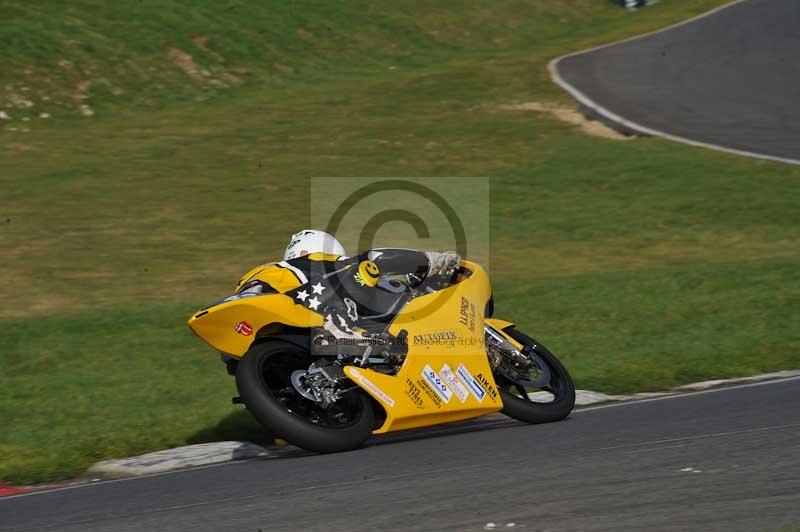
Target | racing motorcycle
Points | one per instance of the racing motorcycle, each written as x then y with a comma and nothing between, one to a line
437,357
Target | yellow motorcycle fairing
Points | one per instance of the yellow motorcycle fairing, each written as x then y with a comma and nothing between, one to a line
445,376
445,346
230,327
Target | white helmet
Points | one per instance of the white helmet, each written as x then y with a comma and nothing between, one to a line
313,241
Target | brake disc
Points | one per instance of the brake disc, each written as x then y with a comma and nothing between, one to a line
298,379
512,373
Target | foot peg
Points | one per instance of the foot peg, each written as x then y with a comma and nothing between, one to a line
237,400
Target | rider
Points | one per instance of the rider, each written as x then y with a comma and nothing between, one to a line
356,295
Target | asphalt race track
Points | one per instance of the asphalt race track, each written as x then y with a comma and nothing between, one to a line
730,80
728,459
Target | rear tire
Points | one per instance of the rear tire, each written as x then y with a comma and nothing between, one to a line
563,388
265,369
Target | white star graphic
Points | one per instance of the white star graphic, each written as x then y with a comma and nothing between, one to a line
313,303
302,295
318,288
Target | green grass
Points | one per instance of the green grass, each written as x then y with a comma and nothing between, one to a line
643,263
108,383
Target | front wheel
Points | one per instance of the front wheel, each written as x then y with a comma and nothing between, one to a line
543,393
263,378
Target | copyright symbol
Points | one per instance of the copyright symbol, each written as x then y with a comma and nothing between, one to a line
405,199
371,227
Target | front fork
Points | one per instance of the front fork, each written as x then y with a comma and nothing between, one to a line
500,345
513,360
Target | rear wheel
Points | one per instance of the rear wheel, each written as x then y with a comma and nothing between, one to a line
540,393
263,378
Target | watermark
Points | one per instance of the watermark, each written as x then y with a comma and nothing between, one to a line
427,214
388,341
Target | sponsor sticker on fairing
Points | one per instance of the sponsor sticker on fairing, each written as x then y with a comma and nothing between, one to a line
454,383
414,393
437,383
244,328
369,385
488,386
473,385
428,389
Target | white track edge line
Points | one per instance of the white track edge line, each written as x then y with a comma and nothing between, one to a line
488,424
552,67
679,395
149,475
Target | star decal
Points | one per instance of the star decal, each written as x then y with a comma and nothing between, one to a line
318,288
313,303
302,295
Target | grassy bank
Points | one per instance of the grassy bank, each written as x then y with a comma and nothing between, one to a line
146,192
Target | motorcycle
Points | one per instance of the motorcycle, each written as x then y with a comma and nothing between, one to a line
439,358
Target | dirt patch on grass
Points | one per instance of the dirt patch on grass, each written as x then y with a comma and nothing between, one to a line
185,62
283,67
202,43
305,34
570,116
19,148
81,91
233,79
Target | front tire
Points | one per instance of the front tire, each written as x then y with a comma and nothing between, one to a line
561,387
263,381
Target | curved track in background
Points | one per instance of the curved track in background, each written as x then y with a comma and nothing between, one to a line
725,459
727,80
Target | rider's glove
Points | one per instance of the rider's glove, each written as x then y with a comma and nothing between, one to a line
443,265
